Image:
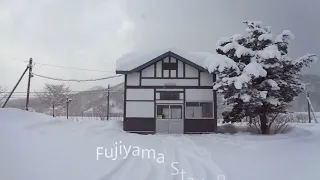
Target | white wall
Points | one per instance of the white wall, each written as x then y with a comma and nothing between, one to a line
172,82
133,79
180,69
159,69
206,79
199,95
148,72
139,109
190,71
140,94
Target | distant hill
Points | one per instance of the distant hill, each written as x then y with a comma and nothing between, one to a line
96,96
81,102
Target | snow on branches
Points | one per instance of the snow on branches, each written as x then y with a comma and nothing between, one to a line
254,69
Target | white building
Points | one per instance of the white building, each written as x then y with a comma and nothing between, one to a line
168,91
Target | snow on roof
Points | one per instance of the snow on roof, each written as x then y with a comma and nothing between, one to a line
136,59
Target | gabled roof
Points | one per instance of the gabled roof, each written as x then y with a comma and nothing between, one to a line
135,62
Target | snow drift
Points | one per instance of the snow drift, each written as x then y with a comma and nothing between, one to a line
39,147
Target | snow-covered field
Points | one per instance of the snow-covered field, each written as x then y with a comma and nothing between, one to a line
37,147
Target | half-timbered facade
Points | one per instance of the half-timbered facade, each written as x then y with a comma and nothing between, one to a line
168,93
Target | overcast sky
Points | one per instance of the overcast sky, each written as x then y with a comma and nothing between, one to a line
93,34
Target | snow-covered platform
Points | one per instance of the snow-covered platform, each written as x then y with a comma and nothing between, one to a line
38,147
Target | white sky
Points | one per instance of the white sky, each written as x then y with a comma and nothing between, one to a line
93,34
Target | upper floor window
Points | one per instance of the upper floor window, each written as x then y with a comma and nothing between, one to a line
170,66
169,95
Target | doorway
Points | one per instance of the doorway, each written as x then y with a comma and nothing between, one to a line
169,118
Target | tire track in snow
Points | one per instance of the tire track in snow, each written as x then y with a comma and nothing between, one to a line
194,160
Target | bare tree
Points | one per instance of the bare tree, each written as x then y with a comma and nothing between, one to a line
54,95
101,112
2,94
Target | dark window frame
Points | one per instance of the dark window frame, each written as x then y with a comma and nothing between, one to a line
207,109
169,95
170,66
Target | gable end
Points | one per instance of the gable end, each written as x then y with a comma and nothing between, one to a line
159,58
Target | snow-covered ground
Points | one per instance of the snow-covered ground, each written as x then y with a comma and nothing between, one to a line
37,147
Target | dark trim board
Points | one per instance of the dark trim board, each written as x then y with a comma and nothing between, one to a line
215,104
175,103
155,109
169,87
169,78
125,102
139,100
159,91
142,132
139,124
155,69
199,125
169,70
140,77
184,70
199,84
184,109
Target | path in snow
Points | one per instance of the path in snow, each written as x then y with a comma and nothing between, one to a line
38,147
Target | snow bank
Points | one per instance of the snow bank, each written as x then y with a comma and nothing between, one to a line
38,147
135,59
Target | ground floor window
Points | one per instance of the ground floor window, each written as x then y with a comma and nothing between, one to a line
199,110
169,111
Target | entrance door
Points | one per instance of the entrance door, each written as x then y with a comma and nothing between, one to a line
169,118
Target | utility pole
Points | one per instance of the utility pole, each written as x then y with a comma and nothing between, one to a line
108,101
5,103
53,110
68,101
29,80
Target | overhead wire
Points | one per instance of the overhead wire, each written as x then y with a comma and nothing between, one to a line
74,68
76,80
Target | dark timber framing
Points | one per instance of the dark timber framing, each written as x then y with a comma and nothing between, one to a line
161,57
125,104
170,68
148,125
215,104
199,73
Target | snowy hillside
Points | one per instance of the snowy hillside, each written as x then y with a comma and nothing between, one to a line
38,147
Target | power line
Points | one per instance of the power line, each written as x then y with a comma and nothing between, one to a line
93,91
58,66
76,80
75,68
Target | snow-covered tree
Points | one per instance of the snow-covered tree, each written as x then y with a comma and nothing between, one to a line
54,95
255,74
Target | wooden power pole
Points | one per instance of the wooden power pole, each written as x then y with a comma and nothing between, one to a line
29,80
108,102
